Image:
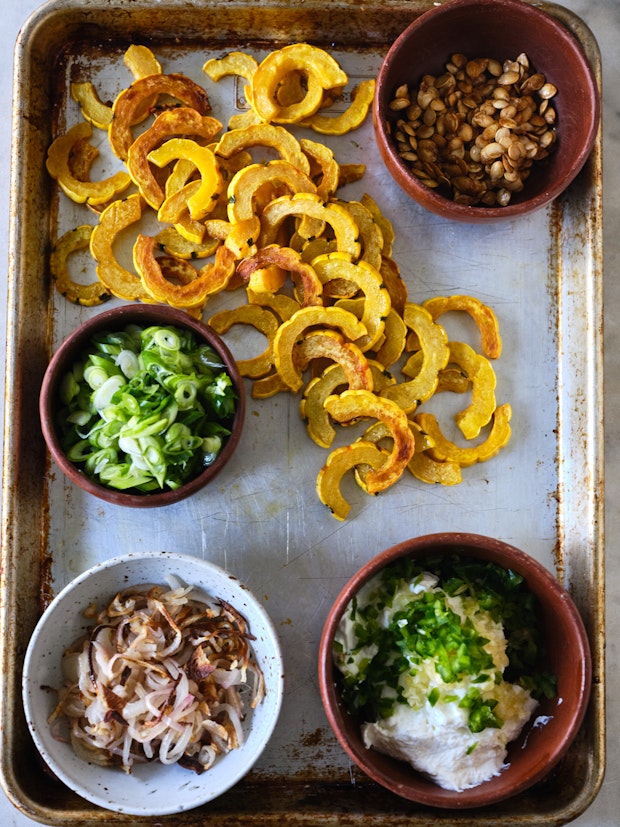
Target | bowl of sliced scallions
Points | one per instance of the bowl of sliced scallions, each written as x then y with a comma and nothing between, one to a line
142,405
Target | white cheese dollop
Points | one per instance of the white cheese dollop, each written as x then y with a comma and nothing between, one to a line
436,741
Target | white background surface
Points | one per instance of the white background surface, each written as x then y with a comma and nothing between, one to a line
603,17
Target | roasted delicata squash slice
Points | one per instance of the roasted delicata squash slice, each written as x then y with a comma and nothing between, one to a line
319,70
175,210
393,344
211,278
282,305
382,221
263,135
421,465
81,158
307,283
292,331
246,184
242,237
268,386
483,315
353,405
434,346
312,406
434,472
117,217
331,345
324,168
371,236
268,279
93,109
127,104
482,377
180,271
141,61
339,462
303,204
444,450
71,242
203,201
350,173
292,89
261,319
353,116
171,123
93,193
394,282
255,185
234,63
453,380
367,279
175,244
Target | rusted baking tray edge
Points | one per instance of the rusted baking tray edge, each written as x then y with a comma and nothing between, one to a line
374,23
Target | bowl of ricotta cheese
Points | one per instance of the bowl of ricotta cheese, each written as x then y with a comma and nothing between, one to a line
455,670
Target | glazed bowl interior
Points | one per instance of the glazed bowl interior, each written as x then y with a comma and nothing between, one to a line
499,29
152,788
72,348
539,748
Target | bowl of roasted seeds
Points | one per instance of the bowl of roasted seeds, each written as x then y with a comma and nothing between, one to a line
486,109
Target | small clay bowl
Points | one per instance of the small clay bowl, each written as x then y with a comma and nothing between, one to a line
503,30
73,347
539,748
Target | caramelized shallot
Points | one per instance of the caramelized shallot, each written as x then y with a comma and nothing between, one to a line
162,676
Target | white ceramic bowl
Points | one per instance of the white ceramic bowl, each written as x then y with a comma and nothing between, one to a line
152,789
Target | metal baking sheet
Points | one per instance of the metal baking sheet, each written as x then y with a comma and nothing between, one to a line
261,518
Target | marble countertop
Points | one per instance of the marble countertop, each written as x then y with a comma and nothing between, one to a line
603,18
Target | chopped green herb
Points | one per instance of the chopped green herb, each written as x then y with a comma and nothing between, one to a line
424,627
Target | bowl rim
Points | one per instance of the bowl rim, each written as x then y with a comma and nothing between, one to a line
491,549
206,571
117,317
440,204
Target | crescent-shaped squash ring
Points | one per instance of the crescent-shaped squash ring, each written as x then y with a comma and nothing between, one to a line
212,278
132,97
339,461
116,217
306,280
443,449
292,331
72,241
170,123
352,405
93,193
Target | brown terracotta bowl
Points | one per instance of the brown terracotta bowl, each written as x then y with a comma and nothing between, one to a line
499,29
73,348
539,748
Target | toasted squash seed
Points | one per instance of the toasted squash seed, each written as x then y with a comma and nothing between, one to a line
495,119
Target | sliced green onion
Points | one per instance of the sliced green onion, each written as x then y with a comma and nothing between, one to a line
96,376
146,408
79,417
128,362
105,392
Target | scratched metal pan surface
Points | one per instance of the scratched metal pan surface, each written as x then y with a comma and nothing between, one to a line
262,519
